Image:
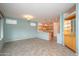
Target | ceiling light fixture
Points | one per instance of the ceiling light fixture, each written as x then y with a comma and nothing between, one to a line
28,17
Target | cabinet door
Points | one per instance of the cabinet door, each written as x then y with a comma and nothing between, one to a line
74,43
68,41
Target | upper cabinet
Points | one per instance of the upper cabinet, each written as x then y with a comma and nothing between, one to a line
45,26
71,16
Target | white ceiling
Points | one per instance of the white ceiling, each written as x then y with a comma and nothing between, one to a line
38,10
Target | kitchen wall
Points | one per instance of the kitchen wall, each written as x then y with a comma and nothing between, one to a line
21,30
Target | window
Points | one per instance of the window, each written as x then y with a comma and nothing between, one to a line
9,21
33,24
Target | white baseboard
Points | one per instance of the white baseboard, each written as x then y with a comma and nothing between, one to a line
10,40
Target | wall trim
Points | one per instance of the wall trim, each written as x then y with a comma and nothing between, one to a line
11,40
22,39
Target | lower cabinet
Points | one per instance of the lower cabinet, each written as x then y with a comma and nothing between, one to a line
51,36
74,43
70,41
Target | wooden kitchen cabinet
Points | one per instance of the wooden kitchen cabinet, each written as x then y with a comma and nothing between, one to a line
70,41
70,31
74,42
51,35
70,36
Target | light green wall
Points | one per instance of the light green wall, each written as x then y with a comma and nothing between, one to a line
60,36
21,30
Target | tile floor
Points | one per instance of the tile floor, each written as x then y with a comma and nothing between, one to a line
35,47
